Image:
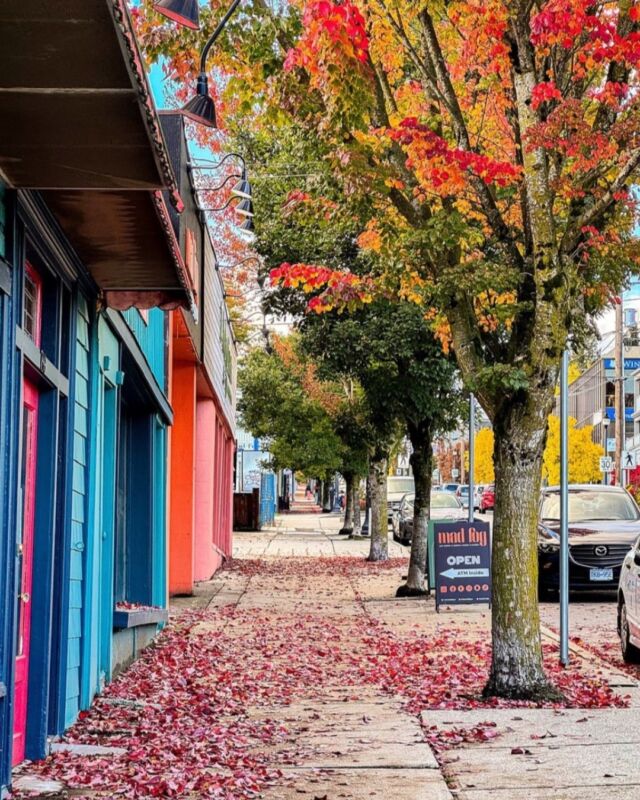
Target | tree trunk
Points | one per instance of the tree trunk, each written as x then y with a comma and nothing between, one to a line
347,527
379,550
421,463
355,503
520,432
326,496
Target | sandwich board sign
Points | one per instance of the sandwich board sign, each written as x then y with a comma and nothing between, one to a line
462,563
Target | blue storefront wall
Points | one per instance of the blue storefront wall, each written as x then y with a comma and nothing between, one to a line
78,511
80,376
150,330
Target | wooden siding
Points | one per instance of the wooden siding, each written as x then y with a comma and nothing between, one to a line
78,515
219,347
149,329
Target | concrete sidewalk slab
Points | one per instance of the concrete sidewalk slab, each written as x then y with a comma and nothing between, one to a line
361,784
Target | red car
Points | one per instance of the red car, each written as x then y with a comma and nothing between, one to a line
488,499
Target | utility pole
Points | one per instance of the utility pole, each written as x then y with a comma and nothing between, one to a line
619,391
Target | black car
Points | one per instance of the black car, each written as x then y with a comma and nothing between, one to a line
604,522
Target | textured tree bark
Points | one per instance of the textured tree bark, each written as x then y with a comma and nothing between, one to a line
355,502
520,433
379,550
421,463
326,497
347,526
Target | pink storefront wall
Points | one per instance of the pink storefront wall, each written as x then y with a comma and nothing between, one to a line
213,491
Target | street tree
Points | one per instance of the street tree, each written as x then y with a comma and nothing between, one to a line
499,142
274,405
392,352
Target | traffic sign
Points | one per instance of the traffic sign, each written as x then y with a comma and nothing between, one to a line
606,464
611,445
454,473
628,459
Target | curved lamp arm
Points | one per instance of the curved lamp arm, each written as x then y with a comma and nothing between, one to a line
220,186
220,208
215,34
192,165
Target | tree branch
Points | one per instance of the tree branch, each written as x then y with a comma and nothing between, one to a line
573,234
487,202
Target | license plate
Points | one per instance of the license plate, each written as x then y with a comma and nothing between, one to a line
601,574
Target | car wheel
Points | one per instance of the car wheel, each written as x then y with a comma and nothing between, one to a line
630,653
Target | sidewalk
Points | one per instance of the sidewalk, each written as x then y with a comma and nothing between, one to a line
295,673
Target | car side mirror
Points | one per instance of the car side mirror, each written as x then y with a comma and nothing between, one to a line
636,557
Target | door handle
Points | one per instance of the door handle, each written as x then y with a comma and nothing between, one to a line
25,597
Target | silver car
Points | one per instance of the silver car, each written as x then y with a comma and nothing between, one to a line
629,605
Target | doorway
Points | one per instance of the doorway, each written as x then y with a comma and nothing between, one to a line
25,565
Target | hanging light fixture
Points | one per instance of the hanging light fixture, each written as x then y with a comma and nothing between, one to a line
243,188
246,230
244,209
184,12
201,108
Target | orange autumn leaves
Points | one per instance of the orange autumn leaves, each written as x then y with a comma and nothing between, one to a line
327,394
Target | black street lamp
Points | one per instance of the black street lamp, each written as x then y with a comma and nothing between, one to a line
184,12
201,108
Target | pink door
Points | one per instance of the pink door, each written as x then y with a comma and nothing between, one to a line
25,565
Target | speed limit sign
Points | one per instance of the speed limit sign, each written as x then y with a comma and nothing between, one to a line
606,464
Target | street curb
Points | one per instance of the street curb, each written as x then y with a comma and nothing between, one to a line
591,658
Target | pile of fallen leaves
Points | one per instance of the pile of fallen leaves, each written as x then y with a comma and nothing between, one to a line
449,671
300,568
191,716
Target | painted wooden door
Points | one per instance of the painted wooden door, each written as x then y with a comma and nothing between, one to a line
25,565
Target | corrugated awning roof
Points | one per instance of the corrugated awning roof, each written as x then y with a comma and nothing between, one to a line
79,124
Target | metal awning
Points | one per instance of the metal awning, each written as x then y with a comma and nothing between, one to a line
78,123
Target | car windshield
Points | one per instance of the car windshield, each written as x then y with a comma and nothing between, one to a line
442,500
438,500
464,490
590,504
450,487
399,485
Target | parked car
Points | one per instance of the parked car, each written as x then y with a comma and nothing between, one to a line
478,489
604,523
462,493
444,506
397,487
450,488
629,605
487,500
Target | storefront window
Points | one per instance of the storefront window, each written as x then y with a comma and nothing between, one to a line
32,303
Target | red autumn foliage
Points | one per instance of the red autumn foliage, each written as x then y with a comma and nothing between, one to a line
182,712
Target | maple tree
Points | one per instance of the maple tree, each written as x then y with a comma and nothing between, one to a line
314,426
497,141
583,456
483,471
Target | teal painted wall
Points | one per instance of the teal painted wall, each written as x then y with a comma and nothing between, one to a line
98,591
149,329
78,511
159,563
